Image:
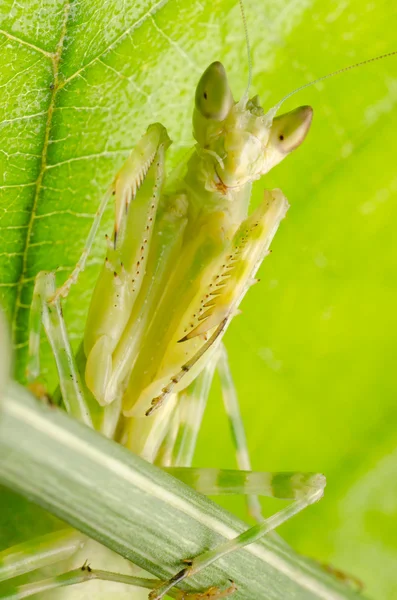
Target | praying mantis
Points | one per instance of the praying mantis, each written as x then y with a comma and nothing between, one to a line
225,253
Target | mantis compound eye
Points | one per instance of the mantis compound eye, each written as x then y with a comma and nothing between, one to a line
289,130
213,96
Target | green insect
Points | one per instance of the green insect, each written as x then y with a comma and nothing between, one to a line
183,253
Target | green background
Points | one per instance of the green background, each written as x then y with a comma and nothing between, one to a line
313,352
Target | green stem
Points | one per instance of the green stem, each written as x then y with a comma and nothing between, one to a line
138,510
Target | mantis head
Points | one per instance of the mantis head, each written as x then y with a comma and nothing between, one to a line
243,140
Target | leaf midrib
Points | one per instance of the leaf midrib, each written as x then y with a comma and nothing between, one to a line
58,83
55,60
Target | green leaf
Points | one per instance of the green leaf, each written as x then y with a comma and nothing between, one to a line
313,352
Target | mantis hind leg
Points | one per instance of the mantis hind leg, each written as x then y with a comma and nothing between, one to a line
49,313
77,400
180,443
85,573
193,402
302,488
232,409
52,548
39,552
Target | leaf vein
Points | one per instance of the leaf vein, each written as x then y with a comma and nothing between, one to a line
23,118
175,45
25,43
118,39
55,65
105,153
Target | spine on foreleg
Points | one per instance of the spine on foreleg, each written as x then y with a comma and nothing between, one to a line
250,246
165,248
119,284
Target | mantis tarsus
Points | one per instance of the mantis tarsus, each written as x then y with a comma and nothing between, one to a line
155,322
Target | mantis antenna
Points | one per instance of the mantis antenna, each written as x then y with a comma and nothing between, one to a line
329,75
274,110
247,43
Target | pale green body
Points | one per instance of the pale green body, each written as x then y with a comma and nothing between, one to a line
184,252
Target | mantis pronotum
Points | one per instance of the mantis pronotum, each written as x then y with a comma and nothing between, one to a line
182,255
